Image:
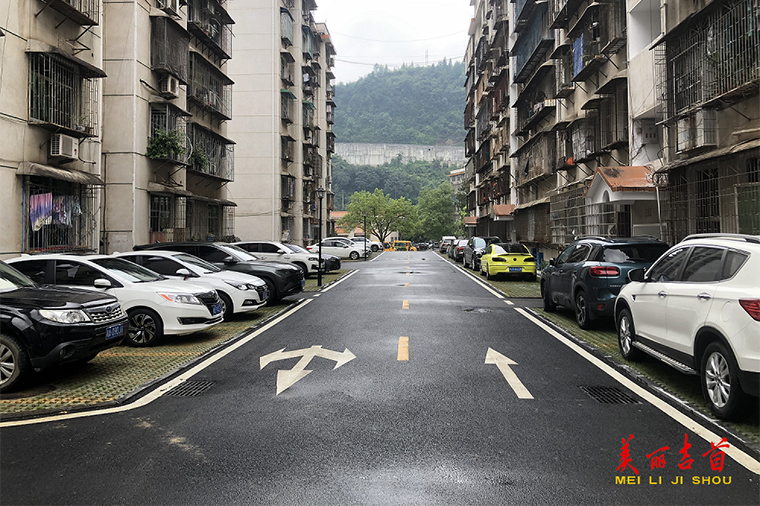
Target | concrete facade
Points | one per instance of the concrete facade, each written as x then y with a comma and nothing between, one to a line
358,153
283,120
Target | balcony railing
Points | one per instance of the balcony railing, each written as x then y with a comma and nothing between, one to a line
169,47
584,137
167,122
210,153
209,88
209,22
286,27
534,43
536,158
82,12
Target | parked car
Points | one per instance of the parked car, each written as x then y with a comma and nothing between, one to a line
240,293
508,259
281,279
444,247
373,246
156,306
403,246
698,309
273,251
456,251
474,248
42,326
331,262
588,274
339,247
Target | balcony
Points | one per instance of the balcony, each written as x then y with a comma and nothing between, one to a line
532,47
536,158
168,132
170,46
330,142
532,115
210,154
210,23
307,43
81,12
286,27
287,106
208,88
308,115
523,10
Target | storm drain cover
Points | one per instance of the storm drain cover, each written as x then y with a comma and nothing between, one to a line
610,395
477,310
189,389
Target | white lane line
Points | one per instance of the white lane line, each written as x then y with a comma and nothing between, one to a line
155,394
509,302
739,456
472,277
338,282
317,294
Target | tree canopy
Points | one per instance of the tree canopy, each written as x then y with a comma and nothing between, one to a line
436,212
411,105
384,214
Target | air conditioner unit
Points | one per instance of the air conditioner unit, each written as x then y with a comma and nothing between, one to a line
64,146
697,131
169,87
170,7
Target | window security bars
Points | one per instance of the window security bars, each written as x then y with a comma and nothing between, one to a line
286,27
210,153
307,43
209,87
59,96
83,12
308,114
613,117
582,133
166,118
210,22
530,49
169,48
537,159
716,56
168,218
572,217
59,216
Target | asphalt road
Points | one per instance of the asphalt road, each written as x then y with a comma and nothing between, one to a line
453,424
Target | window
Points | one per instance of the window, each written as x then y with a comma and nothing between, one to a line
253,247
211,254
162,265
565,255
734,260
74,273
579,254
479,243
269,248
667,268
34,269
703,266
632,254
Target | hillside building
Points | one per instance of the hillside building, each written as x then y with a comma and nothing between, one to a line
283,120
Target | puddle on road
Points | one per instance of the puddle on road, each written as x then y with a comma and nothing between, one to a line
477,310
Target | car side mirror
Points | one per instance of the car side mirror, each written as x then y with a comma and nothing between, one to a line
102,283
230,260
636,275
552,261
280,252
184,273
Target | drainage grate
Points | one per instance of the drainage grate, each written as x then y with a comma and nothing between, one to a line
477,310
189,389
610,395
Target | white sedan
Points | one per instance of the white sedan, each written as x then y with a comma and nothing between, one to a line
156,306
339,247
240,292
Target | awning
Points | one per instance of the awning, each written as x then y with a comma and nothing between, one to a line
309,104
59,173
609,87
287,93
715,153
470,221
532,203
159,188
88,70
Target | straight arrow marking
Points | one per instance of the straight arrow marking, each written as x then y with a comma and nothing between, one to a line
503,363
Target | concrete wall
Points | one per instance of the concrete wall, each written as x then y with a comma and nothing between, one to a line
378,154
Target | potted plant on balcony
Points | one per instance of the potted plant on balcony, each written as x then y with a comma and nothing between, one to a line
166,145
199,160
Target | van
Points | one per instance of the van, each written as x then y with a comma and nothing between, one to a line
446,241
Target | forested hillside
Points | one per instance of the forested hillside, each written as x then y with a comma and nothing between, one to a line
411,105
395,179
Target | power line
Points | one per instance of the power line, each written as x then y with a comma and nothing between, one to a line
393,64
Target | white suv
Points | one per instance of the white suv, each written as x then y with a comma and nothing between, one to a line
272,251
373,246
698,309
240,292
156,306
340,247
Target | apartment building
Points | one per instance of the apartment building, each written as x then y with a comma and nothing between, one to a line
283,121
167,160
51,75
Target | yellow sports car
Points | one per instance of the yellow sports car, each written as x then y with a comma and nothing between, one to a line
512,260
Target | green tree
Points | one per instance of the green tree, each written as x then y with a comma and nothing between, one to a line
384,214
436,211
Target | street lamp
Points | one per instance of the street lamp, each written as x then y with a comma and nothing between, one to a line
320,196
365,235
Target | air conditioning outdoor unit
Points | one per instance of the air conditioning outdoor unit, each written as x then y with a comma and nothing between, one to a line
697,131
64,146
169,87
170,7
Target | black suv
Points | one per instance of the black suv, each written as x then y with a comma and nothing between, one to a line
281,279
588,274
473,250
41,326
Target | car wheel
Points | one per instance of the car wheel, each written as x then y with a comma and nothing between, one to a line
582,315
303,269
549,305
145,328
719,376
273,297
229,308
488,273
353,255
14,363
374,248
626,332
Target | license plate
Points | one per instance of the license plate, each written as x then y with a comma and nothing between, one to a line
303,283
216,309
114,331
515,269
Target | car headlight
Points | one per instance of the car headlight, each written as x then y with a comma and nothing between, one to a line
65,315
237,284
181,298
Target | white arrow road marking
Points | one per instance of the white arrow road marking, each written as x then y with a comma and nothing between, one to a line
286,379
503,363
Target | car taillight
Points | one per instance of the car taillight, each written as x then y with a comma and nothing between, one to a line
460,248
604,271
751,306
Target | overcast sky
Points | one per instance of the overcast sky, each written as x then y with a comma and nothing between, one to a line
393,32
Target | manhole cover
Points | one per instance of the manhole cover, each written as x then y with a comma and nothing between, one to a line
610,395
477,310
189,389
29,392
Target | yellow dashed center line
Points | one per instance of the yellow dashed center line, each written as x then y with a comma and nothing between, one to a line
405,305
407,273
403,348
406,285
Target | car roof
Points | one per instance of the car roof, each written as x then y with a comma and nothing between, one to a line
607,241
741,241
62,256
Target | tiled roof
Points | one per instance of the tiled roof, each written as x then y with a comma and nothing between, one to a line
503,209
635,178
470,220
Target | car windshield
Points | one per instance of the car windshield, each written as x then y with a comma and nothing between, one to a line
633,253
11,279
128,270
295,248
510,249
237,252
198,262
